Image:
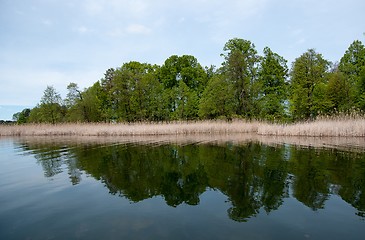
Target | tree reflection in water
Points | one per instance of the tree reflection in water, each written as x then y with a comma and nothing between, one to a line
255,177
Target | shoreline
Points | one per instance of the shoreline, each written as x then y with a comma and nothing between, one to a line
332,127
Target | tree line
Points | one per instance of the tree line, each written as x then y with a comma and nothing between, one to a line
247,85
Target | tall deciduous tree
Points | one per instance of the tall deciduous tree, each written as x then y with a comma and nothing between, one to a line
240,66
106,96
76,110
361,101
73,96
353,61
272,76
339,92
184,80
218,99
135,93
50,108
22,117
91,104
307,79
351,65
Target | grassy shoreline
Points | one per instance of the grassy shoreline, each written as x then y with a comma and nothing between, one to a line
331,127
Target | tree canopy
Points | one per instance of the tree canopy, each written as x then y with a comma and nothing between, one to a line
246,85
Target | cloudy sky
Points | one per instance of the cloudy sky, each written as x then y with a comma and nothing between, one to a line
55,42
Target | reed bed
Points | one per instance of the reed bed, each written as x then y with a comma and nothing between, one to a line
325,127
134,129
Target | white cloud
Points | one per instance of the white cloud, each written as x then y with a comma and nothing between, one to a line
116,32
47,22
138,29
83,30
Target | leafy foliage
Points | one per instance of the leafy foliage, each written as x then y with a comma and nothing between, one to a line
247,85
50,109
273,86
218,99
240,67
307,79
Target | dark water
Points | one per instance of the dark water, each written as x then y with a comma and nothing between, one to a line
93,190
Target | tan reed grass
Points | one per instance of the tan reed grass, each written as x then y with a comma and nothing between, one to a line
134,129
324,127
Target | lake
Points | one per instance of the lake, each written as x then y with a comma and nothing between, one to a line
174,188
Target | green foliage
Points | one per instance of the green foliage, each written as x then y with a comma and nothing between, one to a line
184,80
22,117
353,61
246,85
351,65
307,76
91,104
185,68
361,100
134,95
273,86
240,67
50,109
218,99
340,92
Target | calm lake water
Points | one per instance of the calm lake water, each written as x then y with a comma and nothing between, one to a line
109,189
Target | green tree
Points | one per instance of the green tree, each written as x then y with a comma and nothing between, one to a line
351,65
185,68
184,80
353,61
76,110
307,79
121,93
50,109
22,117
218,99
106,96
135,92
273,94
91,104
240,66
185,102
339,92
361,101
73,96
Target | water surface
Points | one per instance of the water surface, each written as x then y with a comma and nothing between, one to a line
59,188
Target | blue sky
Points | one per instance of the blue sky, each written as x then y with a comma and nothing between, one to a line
55,42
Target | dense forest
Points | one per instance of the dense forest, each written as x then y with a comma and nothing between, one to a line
247,85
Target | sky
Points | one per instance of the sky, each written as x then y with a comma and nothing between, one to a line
55,42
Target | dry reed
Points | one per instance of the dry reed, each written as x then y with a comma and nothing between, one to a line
134,129
325,127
